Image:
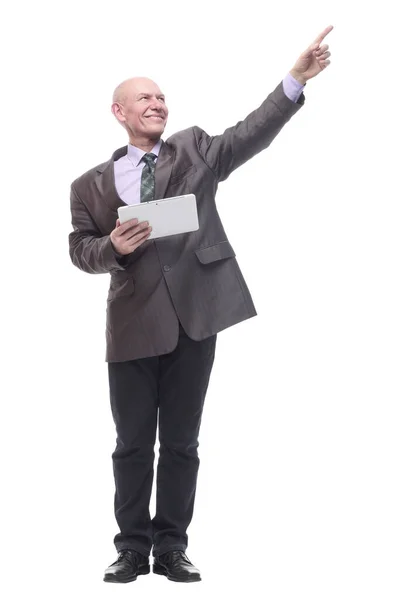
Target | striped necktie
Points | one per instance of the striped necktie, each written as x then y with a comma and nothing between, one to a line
147,185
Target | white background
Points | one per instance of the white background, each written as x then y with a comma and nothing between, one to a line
298,491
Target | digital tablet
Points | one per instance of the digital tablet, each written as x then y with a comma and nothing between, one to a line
167,216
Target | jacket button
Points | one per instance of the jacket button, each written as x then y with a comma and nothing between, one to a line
167,268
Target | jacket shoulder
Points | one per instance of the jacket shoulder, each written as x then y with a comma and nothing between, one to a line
185,135
88,175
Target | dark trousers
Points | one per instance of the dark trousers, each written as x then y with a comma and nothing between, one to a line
173,387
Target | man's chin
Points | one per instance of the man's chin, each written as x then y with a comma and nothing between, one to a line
149,122
156,128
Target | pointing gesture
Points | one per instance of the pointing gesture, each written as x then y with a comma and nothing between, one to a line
313,60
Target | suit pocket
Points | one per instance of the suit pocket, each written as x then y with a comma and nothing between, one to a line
183,175
214,253
120,287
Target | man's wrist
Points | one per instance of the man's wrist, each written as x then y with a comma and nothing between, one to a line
115,250
298,77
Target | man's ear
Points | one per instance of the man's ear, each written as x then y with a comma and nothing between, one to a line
116,111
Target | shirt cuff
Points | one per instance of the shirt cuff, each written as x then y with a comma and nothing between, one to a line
292,87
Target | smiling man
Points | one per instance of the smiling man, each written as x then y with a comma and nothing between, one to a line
168,299
140,107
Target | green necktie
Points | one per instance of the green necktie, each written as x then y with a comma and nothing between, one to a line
147,185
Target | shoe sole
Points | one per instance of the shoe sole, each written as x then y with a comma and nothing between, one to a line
145,570
159,570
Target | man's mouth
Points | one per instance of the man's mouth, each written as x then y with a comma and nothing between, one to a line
155,118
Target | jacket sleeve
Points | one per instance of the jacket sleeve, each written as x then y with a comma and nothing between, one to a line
89,250
226,152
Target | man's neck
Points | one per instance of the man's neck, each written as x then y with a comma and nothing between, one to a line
143,144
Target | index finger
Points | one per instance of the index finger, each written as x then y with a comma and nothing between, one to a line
322,35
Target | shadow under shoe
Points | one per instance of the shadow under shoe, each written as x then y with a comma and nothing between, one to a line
176,566
127,567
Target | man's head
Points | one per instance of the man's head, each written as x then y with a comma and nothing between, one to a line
139,106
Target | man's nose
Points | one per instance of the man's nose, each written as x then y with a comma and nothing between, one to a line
157,105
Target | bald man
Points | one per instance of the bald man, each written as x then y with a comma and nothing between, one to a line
168,299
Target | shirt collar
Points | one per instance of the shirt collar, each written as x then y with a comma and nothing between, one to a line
136,154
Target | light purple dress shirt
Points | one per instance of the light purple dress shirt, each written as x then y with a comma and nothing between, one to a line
128,169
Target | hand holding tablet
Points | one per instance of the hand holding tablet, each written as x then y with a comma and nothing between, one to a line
168,216
130,235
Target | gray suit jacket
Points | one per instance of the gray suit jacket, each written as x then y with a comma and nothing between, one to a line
193,276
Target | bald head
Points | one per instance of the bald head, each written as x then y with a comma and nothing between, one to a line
139,106
132,86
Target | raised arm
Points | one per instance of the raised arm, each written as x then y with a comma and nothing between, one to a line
225,152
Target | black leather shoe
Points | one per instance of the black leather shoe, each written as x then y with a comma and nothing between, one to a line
127,567
176,566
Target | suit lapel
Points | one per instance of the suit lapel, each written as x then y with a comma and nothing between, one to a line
163,170
105,179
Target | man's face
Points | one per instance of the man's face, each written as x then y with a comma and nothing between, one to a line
143,110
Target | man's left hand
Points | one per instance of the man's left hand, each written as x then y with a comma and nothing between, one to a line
313,60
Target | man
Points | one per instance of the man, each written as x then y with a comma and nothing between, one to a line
168,299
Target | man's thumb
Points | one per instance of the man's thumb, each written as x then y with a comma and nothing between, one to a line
311,49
